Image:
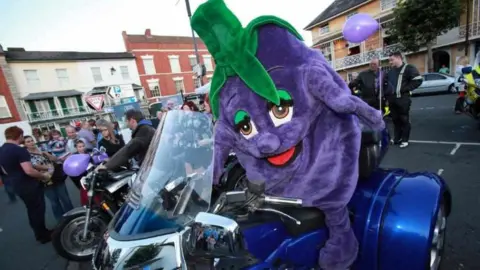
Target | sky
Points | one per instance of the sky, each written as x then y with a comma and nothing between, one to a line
96,25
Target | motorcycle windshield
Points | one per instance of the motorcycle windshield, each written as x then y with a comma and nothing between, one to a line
174,183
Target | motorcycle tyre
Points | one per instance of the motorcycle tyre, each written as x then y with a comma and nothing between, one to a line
441,253
57,236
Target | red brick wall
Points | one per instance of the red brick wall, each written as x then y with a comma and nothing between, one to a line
5,91
160,53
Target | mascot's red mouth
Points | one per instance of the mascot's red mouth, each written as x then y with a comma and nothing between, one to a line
285,158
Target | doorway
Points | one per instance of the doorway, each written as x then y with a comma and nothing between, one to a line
440,58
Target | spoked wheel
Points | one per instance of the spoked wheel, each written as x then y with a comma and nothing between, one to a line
438,239
68,239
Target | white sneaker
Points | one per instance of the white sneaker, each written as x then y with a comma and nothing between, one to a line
403,144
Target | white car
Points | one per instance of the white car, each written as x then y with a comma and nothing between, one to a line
437,82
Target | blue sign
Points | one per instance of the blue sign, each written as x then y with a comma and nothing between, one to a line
117,89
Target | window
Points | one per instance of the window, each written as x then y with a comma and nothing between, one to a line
32,77
207,60
192,60
4,109
324,29
197,82
387,4
434,77
62,77
174,63
179,86
326,50
71,102
148,64
97,75
124,72
154,87
351,14
42,105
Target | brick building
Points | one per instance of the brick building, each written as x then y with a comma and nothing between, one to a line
347,58
8,106
165,63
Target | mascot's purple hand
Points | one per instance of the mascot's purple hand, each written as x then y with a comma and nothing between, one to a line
223,144
341,101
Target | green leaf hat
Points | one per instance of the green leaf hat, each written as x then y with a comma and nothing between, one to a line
233,48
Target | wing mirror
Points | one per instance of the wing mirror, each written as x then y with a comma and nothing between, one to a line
214,236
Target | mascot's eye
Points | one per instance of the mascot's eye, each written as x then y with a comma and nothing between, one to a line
282,113
244,124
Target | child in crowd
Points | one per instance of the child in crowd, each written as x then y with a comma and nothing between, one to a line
57,144
80,146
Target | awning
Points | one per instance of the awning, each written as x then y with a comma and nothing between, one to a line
136,86
46,95
204,89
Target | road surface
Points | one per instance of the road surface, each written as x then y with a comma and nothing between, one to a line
442,142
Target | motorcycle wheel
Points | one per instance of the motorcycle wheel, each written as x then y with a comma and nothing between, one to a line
438,239
67,236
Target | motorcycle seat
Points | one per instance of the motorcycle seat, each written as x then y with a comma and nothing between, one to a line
370,153
311,219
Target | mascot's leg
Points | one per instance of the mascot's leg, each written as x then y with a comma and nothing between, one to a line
340,250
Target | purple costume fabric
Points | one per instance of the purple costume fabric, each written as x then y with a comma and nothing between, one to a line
324,131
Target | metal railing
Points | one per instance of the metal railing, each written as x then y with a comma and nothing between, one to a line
474,30
365,57
57,113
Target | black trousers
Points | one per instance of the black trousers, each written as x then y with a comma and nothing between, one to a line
35,202
400,111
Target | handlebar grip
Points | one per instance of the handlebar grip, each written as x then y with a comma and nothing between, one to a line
283,201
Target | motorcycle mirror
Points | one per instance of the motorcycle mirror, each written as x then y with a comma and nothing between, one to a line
214,236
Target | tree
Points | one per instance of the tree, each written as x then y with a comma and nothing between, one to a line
417,23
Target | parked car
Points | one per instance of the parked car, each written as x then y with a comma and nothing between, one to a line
437,82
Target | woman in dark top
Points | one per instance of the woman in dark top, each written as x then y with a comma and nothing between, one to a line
16,167
111,142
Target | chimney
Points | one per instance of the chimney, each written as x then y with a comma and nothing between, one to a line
148,33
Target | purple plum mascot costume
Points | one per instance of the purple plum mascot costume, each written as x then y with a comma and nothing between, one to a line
287,115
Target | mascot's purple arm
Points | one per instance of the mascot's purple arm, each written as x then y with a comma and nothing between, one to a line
324,129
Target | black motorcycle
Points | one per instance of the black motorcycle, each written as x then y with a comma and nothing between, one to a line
106,192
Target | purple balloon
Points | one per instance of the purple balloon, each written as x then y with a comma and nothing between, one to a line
76,164
99,158
359,27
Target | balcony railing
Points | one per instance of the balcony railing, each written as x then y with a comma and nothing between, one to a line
56,114
474,30
366,57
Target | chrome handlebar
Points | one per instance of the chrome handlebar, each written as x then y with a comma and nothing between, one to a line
238,197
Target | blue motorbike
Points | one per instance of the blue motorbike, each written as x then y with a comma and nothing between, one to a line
171,220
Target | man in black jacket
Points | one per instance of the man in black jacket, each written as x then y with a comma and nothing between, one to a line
399,82
142,135
368,83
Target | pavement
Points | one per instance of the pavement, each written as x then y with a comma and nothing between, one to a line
441,142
